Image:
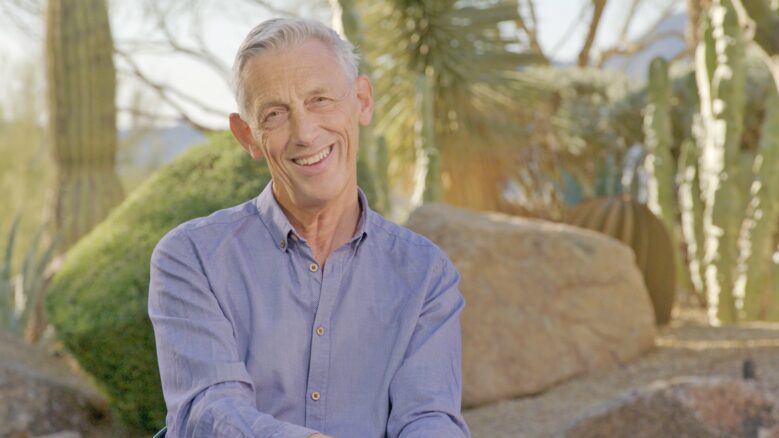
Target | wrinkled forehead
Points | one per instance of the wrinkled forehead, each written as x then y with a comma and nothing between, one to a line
296,69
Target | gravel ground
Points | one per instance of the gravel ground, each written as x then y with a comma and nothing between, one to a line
688,347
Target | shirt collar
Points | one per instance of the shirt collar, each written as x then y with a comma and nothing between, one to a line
282,231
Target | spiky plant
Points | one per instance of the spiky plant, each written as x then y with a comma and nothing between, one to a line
448,92
20,293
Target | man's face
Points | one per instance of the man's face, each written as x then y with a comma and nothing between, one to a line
303,117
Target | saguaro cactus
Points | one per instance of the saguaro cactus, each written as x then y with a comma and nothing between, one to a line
721,74
81,82
347,20
660,164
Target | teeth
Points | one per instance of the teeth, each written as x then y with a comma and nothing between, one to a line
315,159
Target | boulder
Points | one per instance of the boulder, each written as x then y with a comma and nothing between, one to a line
40,395
690,406
544,301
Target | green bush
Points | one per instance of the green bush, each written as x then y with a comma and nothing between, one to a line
98,300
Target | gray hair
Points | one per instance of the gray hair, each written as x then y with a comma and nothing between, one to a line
283,33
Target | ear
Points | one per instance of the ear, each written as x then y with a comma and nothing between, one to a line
365,97
243,133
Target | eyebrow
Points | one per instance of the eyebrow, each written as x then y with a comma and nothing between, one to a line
263,106
317,90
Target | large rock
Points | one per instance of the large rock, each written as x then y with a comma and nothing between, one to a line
684,407
544,301
39,395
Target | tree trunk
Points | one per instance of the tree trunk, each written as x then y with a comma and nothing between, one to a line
597,13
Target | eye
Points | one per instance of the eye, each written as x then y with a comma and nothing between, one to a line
319,100
272,118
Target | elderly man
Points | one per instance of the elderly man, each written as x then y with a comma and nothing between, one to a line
302,312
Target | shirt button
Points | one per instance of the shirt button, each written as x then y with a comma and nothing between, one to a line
315,395
320,330
282,244
313,267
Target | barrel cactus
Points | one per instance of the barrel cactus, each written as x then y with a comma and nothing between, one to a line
635,225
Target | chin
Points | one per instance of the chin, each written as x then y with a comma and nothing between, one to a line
321,194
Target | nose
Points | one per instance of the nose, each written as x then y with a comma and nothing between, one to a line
303,128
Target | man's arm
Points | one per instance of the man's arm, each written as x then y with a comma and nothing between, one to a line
426,391
207,389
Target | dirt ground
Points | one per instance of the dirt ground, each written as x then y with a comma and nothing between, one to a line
687,347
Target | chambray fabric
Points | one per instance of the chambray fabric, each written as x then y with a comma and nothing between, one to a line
236,299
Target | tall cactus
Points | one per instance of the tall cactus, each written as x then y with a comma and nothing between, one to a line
82,115
660,164
764,214
427,174
721,73
346,19
691,207
762,16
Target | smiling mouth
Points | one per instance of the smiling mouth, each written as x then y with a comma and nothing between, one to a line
314,159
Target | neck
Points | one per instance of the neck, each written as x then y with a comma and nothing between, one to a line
326,227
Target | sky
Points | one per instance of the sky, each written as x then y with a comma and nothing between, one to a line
224,25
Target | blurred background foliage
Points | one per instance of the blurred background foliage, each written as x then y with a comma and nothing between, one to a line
671,121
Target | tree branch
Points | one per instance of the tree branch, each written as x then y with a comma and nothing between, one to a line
569,32
201,53
623,33
531,31
651,35
156,117
597,13
631,48
166,93
271,8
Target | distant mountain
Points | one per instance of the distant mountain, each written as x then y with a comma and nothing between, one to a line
158,146
637,65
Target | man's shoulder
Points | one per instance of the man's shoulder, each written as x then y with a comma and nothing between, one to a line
401,239
219,223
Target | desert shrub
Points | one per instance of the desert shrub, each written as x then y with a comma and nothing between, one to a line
98,300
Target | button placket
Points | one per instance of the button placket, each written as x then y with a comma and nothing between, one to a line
319,365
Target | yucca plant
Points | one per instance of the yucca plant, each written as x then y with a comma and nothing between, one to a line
20,292
449,93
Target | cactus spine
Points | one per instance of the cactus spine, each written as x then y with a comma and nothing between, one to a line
82,115
721,74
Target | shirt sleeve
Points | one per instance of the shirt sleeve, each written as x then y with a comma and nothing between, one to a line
207,390
426,391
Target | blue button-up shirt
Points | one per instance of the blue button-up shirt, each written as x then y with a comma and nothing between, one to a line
255,339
